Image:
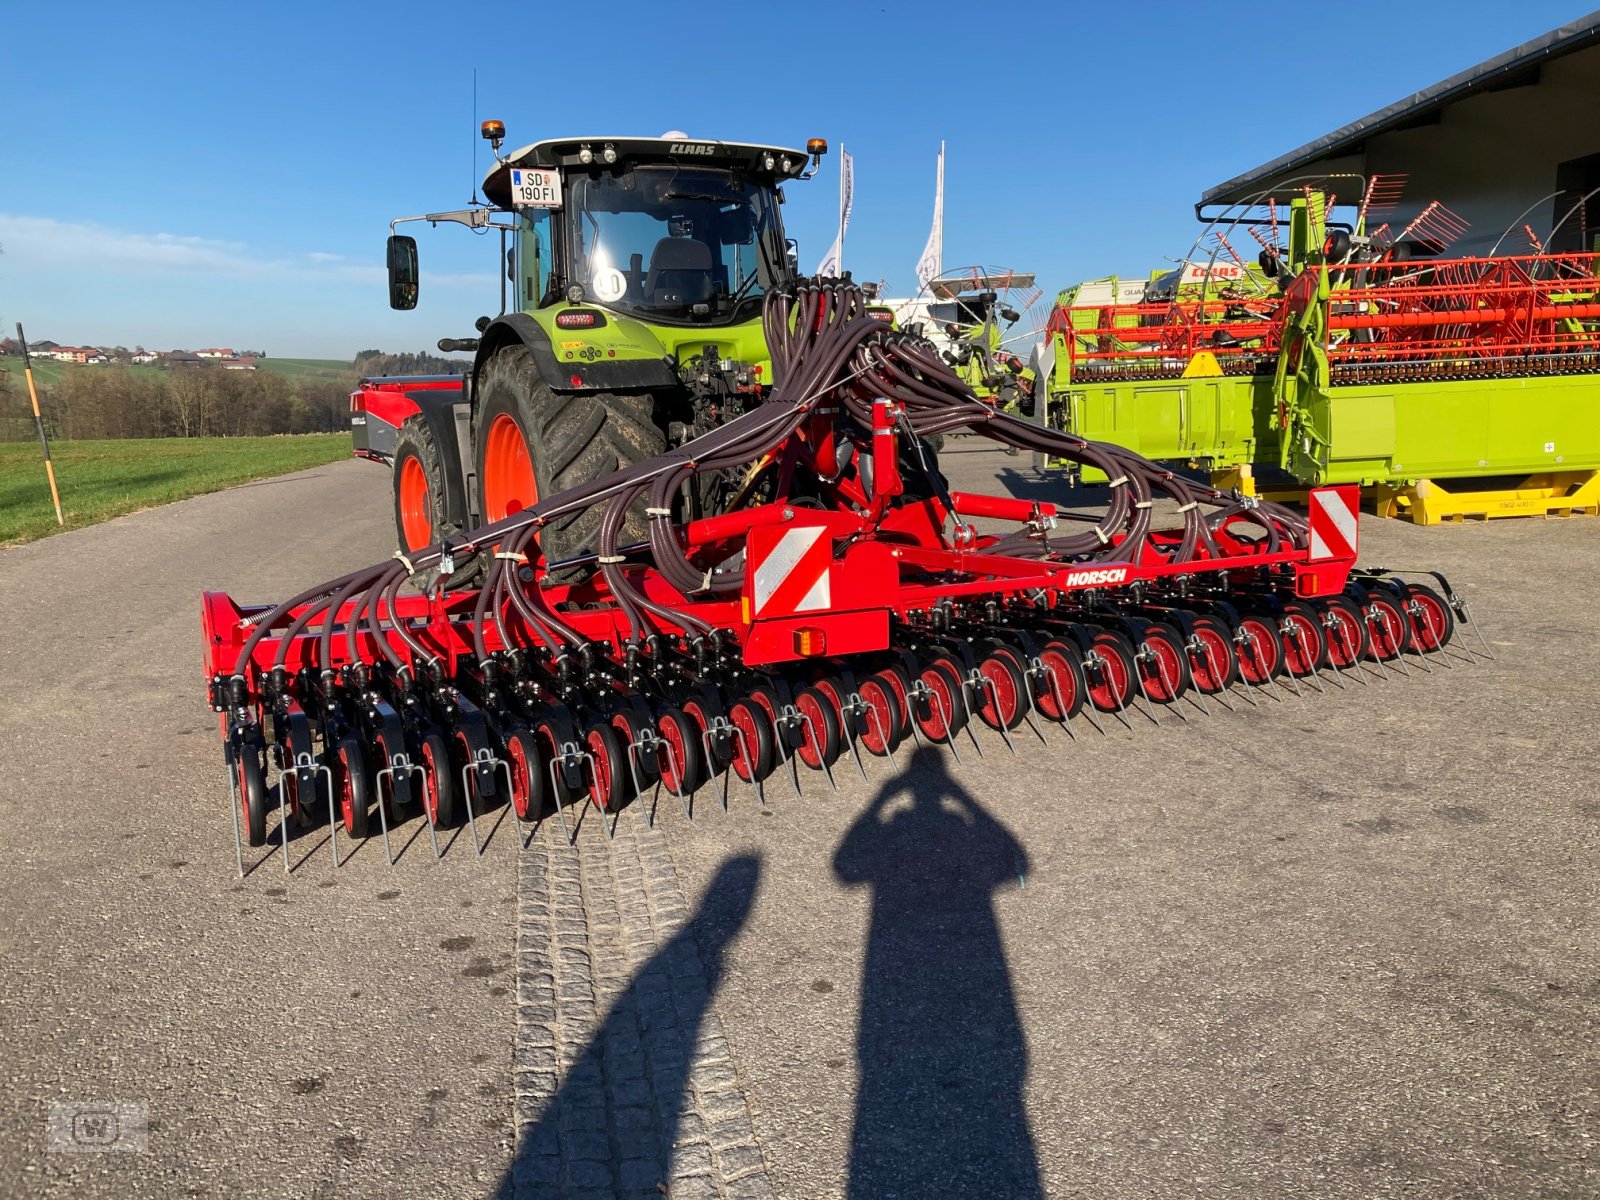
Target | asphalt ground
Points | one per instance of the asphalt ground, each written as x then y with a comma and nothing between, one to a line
1339,945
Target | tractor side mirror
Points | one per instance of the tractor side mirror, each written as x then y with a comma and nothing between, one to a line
403,271
791,255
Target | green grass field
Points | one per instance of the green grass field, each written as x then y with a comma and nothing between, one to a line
101,480
308,368
47,372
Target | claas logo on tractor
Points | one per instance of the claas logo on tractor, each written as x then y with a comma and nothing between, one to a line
839,602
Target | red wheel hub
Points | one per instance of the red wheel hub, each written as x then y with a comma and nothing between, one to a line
508,483
416,505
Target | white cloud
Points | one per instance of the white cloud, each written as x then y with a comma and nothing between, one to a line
60,245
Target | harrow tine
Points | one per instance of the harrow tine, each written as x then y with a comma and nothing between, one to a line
467,786
1173,691
283,822
1094,661
883,734
397,764
433,833
979,679
1211,665
822,758
716,727
792,771
1299,634
1036,668
235,800
1148,707
1247,641
638,783
555,788
849,710
946,716
1289,675
333,819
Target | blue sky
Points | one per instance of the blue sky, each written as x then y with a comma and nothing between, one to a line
186,175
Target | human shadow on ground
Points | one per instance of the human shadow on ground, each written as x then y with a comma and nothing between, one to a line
940,1110
610,1128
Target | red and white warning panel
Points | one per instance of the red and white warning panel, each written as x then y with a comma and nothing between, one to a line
805,596
1335,522
793,576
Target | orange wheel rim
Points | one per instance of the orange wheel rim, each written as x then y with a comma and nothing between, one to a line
508,485
416,509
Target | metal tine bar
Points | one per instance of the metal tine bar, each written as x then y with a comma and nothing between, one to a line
1148,707
1311,661
883,734
821,758
1403,669
1356,671
677,769
433,833
911,717
1096,662
468,786
994,694
235,798
788,716
849,733
283,822
1289,675
511,799
333,818
638,782
1173,691
1037,668
1250,642
944,716
1465,615
1194,695
556,789
1032,711
1211,665
397,764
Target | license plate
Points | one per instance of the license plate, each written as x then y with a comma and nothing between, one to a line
535,188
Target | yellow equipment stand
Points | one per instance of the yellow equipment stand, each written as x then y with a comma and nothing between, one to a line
1555,494
1426,502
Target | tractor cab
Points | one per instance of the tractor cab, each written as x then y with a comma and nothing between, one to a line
669,230
634,274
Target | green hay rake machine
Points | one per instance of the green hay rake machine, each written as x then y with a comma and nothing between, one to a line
1351,355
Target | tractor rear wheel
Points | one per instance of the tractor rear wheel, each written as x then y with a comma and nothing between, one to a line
421,500
421,518
530,443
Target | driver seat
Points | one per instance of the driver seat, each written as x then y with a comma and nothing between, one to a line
680,272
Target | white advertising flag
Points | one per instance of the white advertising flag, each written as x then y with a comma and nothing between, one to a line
833,262
931,262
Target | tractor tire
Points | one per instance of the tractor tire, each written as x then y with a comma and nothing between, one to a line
421,501
529,442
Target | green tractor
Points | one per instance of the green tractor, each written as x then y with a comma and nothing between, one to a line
639,266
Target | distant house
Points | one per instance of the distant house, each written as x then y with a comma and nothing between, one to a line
146,356
216,352
238,364
71,354
182,358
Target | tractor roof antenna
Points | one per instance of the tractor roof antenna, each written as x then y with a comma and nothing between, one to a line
474,201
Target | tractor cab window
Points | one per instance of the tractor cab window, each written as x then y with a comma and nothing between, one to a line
673,243
534,255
